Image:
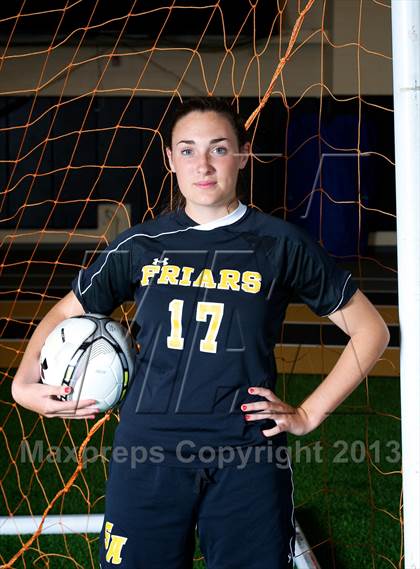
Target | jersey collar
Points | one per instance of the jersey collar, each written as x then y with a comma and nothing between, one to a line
220,222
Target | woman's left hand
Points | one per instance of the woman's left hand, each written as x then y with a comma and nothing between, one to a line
287,418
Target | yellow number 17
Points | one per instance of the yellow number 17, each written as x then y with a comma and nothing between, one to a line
176,342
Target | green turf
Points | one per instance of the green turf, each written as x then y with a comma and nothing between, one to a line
339,500
348,511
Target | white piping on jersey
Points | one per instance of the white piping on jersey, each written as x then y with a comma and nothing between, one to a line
341,299
226,220
82,292
292,553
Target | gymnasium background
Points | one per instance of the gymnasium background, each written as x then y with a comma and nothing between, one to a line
85,88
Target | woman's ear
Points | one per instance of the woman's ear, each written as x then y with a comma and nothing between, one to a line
245,151
169,155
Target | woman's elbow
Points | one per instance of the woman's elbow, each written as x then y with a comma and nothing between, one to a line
387,337
381,335
373,332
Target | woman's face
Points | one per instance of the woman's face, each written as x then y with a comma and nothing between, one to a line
206,158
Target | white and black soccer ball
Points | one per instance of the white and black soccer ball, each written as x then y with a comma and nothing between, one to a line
94,355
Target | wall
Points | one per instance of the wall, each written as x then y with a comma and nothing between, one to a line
359,30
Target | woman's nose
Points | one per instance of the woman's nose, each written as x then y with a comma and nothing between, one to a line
204,163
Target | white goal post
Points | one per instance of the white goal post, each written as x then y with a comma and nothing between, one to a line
80,523
406,75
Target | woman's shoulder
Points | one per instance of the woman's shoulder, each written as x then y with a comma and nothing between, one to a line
148,227
275,226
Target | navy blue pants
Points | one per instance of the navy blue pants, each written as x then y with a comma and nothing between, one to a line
243,517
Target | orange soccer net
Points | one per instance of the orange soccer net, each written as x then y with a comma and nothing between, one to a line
86,86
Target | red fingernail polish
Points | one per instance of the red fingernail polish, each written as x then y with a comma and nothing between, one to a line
67,389
244,407
247,417
251,390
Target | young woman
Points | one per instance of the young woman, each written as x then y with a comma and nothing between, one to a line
202,436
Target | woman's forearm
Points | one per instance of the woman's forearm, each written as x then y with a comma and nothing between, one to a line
28,371
359,356
39,397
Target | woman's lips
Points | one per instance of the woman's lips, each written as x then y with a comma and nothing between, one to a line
205,184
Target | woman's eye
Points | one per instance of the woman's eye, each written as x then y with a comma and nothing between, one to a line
220,150
186,152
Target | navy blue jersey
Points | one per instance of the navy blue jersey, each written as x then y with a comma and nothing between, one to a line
210,301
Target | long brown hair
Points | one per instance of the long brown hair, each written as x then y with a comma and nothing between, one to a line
204,104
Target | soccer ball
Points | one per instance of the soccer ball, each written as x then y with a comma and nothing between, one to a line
94,355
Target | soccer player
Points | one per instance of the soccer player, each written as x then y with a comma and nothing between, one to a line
202,436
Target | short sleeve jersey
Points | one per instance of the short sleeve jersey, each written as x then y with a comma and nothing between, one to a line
210,301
